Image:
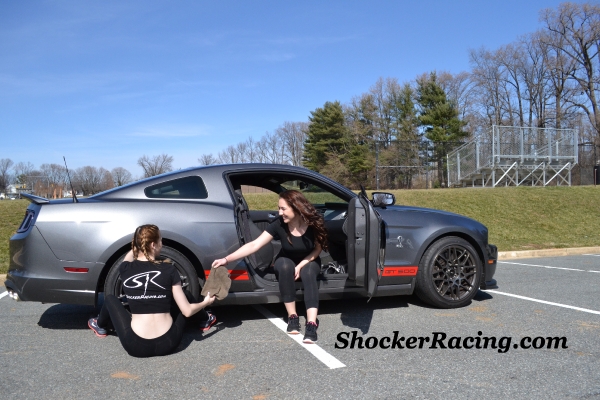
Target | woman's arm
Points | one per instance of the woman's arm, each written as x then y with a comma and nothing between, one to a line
245,250
188,309
310,257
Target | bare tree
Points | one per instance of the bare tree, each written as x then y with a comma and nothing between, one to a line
92,180
5,164
120,176
293,135
24,173
271,149
229,156
251,151
207,159
155,165
575,29
52,180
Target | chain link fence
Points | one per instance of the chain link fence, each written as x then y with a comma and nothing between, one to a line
586,170
419,164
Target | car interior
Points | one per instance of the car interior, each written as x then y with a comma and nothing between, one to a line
252,219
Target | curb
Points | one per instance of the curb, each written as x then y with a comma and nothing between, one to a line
510,255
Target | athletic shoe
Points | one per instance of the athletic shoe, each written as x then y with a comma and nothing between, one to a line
293,327
205,325
93,324
311,333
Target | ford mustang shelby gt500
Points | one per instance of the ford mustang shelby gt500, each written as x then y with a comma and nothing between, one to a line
68,251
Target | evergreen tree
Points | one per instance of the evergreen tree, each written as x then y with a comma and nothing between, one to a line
439,118
326,134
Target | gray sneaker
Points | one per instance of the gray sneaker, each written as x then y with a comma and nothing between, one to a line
93,325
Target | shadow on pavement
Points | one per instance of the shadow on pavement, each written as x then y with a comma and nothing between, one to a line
354,313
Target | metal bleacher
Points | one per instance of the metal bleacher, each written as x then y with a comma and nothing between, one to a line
515,156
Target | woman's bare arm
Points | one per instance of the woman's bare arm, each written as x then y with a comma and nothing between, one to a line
245,250
188,309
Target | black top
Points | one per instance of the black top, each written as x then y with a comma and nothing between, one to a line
148,286
300,247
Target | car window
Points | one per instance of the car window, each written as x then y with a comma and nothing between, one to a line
315,194
190,187
259,198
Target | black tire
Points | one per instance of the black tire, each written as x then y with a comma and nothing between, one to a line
189,277
449,273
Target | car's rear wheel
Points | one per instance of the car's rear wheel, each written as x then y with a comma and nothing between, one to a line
189,277
449,273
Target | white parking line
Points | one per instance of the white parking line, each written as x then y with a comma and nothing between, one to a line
314,349
3,294
595,255
541,266
546,266
546,302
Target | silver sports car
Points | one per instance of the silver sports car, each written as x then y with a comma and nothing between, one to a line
68,251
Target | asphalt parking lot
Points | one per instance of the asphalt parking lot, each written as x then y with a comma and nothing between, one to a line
46,349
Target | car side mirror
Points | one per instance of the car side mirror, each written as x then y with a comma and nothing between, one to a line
383,199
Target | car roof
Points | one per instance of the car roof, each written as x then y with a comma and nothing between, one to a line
212,176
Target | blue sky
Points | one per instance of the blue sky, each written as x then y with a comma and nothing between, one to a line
104,83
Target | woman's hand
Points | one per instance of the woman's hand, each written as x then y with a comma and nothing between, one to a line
219,262
297,272
208,299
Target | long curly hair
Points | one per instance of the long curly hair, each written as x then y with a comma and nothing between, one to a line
300,205
143,238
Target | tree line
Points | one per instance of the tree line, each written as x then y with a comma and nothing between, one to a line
52,180
547,79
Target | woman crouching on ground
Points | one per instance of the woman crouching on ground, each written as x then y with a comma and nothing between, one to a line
301,230
150,287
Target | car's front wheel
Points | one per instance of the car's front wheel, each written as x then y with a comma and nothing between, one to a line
189,277
449,273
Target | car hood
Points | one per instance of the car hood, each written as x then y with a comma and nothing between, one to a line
430,211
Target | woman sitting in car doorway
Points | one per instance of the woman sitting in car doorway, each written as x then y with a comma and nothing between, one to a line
155,325
301,230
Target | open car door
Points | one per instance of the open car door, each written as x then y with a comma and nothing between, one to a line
364,244
375,255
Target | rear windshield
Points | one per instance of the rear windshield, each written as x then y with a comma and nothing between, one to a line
191,187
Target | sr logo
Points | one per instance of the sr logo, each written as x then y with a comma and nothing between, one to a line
139,280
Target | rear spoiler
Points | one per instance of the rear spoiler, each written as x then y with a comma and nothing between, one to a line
35,199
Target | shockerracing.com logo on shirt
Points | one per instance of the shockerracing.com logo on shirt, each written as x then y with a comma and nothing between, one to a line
143,279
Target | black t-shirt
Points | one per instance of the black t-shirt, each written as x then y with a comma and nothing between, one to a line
148,286
300,247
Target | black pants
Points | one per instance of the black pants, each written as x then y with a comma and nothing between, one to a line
114,313
285,269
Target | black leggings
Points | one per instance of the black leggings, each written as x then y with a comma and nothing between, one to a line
285,269
114,313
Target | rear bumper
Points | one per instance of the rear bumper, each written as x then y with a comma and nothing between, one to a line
35,274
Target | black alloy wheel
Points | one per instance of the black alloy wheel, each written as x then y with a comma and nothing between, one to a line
449,273
189,278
